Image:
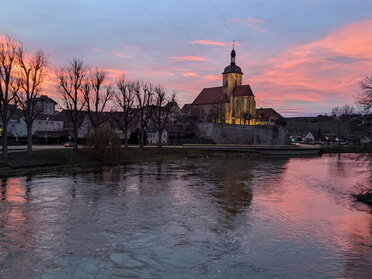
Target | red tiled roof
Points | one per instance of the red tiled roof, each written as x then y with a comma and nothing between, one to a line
266,113
242,90
213,95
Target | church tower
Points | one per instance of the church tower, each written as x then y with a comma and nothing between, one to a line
231,103
232,76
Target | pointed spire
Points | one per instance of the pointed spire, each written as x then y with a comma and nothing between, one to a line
233,68
233,54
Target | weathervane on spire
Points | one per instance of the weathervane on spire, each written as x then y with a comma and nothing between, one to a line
233,44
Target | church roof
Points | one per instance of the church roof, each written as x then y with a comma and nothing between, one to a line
267,113
213,95
216,95
242,91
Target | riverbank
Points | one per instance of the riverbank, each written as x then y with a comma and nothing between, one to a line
19,163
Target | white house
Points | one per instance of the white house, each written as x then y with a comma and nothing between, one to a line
308,137
17,125
46,105
153,137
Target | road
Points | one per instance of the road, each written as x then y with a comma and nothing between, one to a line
35,147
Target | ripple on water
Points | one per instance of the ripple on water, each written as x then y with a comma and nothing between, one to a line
210,218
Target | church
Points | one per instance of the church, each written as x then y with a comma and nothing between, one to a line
232,103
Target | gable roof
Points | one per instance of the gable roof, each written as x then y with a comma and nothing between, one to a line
242,91
267,113
45,99
213,95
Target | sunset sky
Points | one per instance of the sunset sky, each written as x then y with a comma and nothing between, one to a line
300,57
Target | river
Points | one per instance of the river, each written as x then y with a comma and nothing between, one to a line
259,217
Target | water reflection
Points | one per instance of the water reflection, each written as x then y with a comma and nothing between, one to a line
210,218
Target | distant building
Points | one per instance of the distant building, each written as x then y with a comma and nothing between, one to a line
231,103
46,105
269,116
308,137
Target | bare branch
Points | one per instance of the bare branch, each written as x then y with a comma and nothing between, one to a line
72,84
364,99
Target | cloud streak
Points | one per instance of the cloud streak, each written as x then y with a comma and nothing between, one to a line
212,43
320,70
188,58
251,22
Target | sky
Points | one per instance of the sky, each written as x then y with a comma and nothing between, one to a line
300,57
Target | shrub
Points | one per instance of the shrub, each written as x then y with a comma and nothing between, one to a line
104,144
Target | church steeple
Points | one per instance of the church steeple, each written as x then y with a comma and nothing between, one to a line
233,54
232,68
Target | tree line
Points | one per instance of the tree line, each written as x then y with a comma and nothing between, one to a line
359,120
23,76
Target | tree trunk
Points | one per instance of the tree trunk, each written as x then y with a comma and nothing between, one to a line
142,137
160,135
125,139
29,140
5,141
75,138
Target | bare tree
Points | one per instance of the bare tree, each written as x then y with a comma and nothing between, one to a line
8,86
144,95
72,82
163,106
97,95
124,101
31,76
247,116
344,112
217,113
364,99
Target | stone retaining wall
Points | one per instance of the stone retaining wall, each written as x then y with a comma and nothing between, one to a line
238,134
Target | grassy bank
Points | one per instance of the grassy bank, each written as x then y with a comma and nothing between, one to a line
43,161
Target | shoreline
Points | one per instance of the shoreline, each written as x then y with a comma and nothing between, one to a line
19,163
67,160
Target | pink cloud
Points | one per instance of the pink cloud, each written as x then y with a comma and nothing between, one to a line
113,74
189,58
190,74
159,73
212,78
118,54
326,71
212,43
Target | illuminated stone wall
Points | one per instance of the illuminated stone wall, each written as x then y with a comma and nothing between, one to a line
241,134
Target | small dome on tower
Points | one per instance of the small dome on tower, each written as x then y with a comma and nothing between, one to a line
232,68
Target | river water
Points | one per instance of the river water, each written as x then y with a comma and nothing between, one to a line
264,217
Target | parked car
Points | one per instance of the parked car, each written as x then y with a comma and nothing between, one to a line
69,144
